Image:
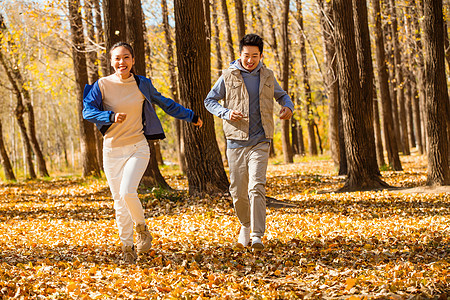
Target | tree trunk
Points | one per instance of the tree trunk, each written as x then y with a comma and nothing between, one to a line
306,86
90,163
436,93
385,96
100,39
135,32
331,81
173,82
285,124
240,21
205,169
6,163
216,37
115,27
366,78
399,81
361,174
377,130
93,67
272,26
228,36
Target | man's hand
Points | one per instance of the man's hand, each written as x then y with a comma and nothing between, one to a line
120,117
235,115
285,113
199,123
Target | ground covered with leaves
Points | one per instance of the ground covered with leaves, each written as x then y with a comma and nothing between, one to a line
58,240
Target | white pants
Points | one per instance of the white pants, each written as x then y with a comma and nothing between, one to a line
124,168
248,166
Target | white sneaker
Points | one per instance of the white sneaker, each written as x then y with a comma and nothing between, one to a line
244,236
257,244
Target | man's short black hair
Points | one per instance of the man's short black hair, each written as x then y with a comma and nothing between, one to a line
251,40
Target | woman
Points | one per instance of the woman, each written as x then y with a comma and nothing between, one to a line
121,107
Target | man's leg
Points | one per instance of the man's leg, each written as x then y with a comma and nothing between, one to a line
258,158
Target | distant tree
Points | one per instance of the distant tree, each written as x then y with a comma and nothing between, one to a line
306,85
205,171
4,158
228,36
437,101
173,83
385,97
285,124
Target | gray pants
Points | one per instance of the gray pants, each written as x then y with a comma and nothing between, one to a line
248,166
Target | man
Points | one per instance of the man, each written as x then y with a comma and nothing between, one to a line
248,88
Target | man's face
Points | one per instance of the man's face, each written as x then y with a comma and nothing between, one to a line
250,57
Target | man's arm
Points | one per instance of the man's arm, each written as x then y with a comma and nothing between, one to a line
284,100
216,94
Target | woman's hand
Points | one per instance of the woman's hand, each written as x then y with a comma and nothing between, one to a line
120,117
199,123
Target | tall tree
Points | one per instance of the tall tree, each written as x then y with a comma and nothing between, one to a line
285,124
174,83
331,80
438,110
306,86
205,171
361,175
115,27
385,96
228,36
240,21
4,158
90,165
366,78
135,36
399,80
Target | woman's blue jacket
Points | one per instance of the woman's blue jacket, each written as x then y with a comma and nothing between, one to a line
93,109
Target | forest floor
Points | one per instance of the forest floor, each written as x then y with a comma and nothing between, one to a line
58,240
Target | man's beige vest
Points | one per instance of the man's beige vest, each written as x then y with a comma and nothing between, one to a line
237,98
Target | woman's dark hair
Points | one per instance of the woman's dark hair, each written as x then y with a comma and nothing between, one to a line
122,44
251,40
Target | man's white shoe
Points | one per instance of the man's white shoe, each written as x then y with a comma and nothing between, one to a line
257,244
244,236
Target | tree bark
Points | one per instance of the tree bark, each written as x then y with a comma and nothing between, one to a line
240,21
331,81
4,158
228,36
173,82
115,27
377,130
436,93
90,165
205,169
273,44
399,81
385,96
361,175
285,124
306,86
366,78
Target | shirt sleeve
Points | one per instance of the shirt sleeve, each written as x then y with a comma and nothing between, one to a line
216,94
282,97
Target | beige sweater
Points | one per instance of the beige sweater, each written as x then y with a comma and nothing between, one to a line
123,96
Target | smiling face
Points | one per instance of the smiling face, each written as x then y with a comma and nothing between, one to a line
250,57
122,61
